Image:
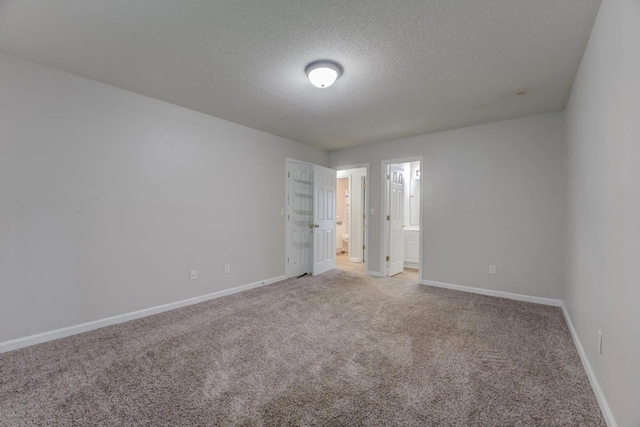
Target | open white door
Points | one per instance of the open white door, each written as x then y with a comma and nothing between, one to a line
396,220
324,219
299,217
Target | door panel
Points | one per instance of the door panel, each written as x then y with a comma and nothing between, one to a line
324,215
300,215
396,220
364,218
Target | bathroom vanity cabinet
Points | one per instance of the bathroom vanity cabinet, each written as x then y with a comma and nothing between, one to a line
411,248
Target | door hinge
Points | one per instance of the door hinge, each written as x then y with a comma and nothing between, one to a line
364,247
388,217
388,176
364,185
288,174
364,216
388,259
287,260
288,217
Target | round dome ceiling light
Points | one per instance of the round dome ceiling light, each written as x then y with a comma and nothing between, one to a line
323,74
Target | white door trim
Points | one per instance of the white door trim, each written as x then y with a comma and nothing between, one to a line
366,209
384,231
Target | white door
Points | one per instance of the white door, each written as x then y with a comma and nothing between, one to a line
364,217
396,220
299,217
324,219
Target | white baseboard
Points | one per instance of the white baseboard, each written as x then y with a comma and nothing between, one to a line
96,324
500,294
602,401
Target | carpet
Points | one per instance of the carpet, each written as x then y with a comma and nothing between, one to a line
339,349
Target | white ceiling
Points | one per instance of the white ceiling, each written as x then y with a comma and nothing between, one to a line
410,67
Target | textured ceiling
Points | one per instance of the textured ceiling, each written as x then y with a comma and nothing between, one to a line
410,67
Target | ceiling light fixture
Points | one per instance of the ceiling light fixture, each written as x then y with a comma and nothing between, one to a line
323,74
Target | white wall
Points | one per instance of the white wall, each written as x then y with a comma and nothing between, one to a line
109,198
603,274
493,194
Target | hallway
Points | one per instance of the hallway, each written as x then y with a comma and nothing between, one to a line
343,263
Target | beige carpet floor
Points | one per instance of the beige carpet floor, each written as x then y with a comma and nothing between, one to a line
340,349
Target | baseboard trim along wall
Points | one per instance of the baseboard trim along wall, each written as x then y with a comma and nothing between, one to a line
121,318
602,401
96,324
500,294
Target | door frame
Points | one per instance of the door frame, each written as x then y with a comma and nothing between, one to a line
384,229
367,218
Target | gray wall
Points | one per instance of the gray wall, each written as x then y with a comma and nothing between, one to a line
109,198
492,194
603,273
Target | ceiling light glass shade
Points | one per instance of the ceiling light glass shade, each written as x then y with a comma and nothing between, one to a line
323,74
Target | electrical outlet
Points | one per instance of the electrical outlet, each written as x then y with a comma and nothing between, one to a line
227,268
194,274
492,269
599,342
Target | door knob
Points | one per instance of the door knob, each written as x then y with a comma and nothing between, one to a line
316,225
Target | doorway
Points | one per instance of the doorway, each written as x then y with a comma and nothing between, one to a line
310,218
401,222
351,219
